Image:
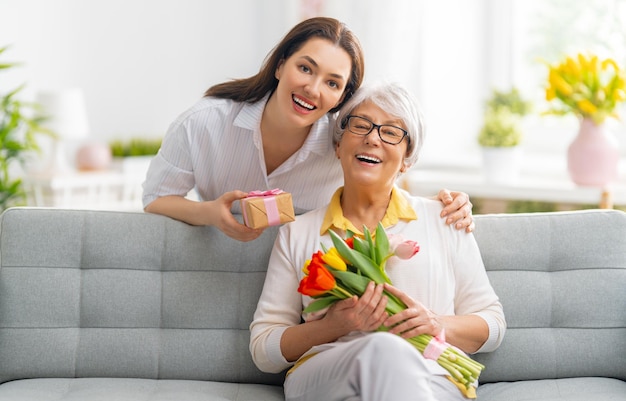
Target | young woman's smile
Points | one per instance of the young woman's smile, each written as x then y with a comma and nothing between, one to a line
311,81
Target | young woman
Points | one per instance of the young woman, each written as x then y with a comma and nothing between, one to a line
271,130
340,355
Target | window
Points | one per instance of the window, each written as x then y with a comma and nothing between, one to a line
548,30
452,53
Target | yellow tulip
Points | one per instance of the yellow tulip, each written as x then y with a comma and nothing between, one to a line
572,68
582,61
619,95
305,268
550,94
586,106
559,84
334,260
593,66
610,62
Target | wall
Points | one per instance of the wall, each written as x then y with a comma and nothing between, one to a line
140,62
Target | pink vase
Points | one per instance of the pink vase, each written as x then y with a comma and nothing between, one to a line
93,156
593,156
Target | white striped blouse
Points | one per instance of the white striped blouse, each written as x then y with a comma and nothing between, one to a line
216,147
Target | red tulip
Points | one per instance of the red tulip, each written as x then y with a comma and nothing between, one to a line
318,282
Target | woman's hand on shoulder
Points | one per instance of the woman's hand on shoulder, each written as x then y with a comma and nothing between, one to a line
457,209
219,214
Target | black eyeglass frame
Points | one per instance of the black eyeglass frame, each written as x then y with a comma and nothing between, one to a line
377,127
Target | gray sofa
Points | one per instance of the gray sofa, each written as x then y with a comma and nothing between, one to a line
98,305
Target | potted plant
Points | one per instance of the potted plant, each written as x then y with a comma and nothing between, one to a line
134,155
501,135
135,147
591,89
19,126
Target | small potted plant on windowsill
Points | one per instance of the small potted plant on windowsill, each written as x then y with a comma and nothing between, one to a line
134,155
501,135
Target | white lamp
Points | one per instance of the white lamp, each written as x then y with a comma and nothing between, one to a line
66,116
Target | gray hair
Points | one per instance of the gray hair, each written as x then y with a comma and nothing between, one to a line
395,100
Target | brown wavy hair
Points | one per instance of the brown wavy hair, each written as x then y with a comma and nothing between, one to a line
254,88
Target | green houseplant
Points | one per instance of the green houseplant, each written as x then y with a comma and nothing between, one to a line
19,126
502,119
135,147
133,156
501,135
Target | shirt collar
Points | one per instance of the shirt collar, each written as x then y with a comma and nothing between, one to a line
398,209
249,117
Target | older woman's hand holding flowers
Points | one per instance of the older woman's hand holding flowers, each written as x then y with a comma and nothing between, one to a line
356,267
412,321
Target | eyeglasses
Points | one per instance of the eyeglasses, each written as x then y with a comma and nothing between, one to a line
387,133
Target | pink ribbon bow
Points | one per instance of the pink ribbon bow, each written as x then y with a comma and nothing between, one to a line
436,346
270,192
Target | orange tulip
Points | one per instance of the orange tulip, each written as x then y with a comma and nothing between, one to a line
318,282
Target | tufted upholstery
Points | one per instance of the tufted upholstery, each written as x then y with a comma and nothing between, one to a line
117,306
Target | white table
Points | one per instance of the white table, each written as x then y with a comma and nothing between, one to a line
99,190
543,179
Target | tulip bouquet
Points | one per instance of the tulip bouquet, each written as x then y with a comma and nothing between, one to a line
586,86
347,268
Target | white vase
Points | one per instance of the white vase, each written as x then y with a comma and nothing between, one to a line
501,165
593,156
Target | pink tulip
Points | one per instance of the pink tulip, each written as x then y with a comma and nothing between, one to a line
404,249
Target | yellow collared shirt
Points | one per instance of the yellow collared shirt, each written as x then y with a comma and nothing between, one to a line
399,208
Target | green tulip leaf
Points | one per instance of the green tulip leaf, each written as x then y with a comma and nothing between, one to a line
320,303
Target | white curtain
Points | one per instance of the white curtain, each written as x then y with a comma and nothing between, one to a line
439,50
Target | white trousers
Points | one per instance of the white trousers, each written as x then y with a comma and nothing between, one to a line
375,367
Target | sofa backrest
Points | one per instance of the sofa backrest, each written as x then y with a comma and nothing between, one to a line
561,278
115,294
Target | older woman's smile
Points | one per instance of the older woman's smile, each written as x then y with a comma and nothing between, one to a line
368,158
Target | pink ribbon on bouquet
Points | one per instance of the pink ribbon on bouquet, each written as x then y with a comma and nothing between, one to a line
436,346
271,208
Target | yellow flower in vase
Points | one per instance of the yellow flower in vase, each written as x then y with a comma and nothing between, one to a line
590,88
586,86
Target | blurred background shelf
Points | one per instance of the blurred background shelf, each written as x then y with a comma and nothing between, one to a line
98,190
543,179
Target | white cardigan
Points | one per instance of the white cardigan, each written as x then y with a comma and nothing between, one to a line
447,276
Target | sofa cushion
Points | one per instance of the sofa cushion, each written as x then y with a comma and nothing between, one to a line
561,278
113,294
161,309
135,390
578,389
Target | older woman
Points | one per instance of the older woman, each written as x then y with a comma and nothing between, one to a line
340,356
